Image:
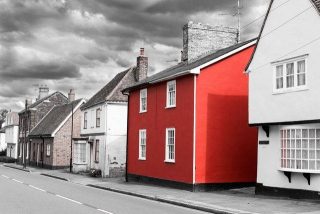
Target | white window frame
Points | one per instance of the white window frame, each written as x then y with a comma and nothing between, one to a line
48,150
85,120
142,133
142,93
98,118
174,100
293,156
284,63
167,152
77,153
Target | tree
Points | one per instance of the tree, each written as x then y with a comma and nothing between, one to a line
3,114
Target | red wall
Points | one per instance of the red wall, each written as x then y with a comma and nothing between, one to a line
226,149
155,121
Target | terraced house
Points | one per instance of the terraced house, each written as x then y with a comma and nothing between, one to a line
104,124
284,90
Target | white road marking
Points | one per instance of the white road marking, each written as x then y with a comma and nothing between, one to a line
5,176
42,190
17,181
104,211
60,196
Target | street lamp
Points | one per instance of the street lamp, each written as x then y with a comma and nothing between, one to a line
71,137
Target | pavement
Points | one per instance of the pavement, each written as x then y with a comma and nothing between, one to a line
240,201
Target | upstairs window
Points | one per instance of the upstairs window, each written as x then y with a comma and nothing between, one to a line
143,100
171,94
290,75
85,120
98,111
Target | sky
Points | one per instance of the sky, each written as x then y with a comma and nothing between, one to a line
82,44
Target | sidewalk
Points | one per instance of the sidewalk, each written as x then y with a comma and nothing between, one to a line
228,201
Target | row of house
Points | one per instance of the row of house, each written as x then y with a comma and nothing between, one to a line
228,115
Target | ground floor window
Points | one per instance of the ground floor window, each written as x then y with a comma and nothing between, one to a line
300,149
48,149
96,156
80,152
142,144
170,144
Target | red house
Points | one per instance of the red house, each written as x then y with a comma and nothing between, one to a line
188,125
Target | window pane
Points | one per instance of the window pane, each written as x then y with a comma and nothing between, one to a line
290,75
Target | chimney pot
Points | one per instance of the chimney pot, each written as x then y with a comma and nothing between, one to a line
71,95
43,91
141,51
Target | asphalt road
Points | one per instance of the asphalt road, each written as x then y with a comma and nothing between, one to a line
31,193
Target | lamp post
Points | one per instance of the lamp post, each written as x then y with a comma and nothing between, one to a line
25,135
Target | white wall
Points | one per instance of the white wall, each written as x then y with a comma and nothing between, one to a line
3,144
91,118
269,173
264,106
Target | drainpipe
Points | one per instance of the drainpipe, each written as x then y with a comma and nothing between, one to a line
127,143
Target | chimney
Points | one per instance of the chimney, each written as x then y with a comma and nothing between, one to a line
28,102
43,91
71,95
200,40
142,66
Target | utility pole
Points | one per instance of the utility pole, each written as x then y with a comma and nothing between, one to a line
25,135
71,136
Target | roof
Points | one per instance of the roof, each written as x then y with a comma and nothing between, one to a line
317,6
182,68
112,90
35,104
55,117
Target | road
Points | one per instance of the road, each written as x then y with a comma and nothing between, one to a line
23,193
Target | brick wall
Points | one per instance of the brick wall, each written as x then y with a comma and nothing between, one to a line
62,140
200,40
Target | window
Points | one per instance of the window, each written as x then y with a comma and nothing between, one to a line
80,152
98,117
85,121
142,144
20,150
48,150
171,94
143,100
96,156
290,75
170,145
300,149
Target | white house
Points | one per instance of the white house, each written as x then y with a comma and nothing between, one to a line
11,132
284,92
3,144
102,145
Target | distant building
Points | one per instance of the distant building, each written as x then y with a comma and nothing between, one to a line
11,132
188,125
35,112
50,140
104,124
3,144
284,91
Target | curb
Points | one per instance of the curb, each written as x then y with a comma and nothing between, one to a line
168,201
53,176
18,168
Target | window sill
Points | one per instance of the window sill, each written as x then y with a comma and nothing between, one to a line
142,159
290,90
299,170
168,107
80,163
142,112
169,161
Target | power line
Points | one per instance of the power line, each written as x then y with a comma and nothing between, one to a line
253,21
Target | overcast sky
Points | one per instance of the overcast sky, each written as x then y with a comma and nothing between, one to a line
82,44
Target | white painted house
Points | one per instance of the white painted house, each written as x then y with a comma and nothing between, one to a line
284,99
11,134
3,144
102,145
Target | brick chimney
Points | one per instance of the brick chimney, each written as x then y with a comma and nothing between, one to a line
71,95
43,91
142,66
200,40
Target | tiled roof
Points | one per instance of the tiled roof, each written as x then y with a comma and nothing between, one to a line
112,90
317,4
53,119
35,104
185,66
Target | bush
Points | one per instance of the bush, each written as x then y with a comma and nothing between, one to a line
3,152
95,172
6,159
